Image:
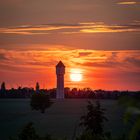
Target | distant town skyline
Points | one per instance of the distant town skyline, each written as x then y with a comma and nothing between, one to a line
99,38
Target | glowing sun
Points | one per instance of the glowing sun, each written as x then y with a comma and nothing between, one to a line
76,75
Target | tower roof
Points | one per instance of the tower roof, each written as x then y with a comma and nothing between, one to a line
60,64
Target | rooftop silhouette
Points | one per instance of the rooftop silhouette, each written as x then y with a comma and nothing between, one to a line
60,64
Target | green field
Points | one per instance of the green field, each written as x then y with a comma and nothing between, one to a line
59,120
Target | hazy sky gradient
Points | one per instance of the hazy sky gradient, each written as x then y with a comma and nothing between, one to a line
101,37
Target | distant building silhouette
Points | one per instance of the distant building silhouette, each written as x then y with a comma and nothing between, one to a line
60,71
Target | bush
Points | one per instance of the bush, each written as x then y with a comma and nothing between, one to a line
93,120
40,102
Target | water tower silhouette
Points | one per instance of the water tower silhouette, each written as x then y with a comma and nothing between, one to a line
60,71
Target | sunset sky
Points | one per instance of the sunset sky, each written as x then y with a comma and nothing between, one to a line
101,38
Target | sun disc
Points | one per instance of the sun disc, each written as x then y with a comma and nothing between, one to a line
76,75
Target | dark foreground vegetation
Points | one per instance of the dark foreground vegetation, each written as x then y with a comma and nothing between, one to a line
26,92
91,122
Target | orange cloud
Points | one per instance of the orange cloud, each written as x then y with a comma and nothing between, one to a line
91,27
98,67
72,57
128,3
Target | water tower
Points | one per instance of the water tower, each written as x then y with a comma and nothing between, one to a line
60,71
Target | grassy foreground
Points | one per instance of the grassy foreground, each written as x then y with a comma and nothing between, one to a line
60,120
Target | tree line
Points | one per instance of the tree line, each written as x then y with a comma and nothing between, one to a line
27,92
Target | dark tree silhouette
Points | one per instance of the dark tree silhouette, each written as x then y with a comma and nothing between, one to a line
132,115
37,87
3,88
29,133
40,102
93,120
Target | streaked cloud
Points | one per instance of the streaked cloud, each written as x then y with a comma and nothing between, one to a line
2,57
87,27
72,57
128,3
